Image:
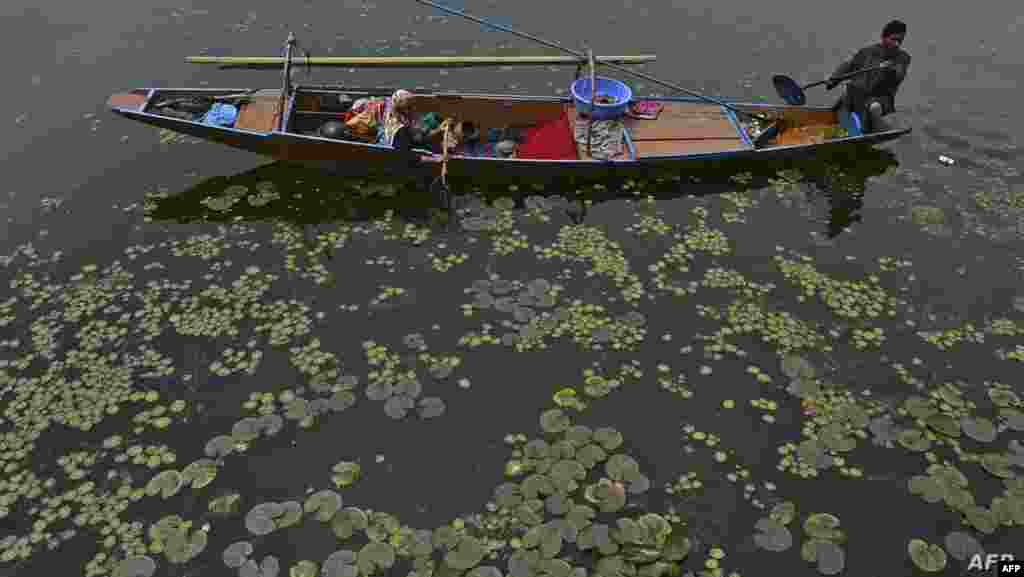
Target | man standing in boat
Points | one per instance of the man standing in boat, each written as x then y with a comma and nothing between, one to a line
873,95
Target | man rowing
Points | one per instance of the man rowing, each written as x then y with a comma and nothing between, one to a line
873,94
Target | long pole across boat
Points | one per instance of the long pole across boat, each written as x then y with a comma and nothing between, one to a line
583,58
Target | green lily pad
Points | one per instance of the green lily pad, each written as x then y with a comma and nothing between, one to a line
166,484
200,473
913,440
657,528
341,563
609,439
677,547
291,514
590,455
920,407
607,495
467,553
236,554
958,499
225,504
927,488
944,424
381,526
926,556
304,568
979,428
324,503
783,513
536,485
508,495
794,366
347,521
804,388
346,473
374,557
1013,418
183,547
431,407
579,435
141,566
981,518
997,464
580,516
554,421
772,535
621,467
823,526
260,519
1003,397
485,571
597,536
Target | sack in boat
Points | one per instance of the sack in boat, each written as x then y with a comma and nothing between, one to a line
221,114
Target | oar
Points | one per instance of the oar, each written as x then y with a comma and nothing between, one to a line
793,93
583,58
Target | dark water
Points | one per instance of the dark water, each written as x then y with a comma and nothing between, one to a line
960,98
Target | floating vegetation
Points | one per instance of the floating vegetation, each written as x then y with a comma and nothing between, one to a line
778,344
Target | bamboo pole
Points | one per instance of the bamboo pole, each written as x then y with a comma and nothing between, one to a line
416,61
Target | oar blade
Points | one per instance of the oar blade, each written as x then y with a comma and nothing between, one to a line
789,90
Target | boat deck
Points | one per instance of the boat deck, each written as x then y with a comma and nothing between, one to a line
685,128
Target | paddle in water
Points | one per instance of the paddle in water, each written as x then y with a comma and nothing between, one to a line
793,93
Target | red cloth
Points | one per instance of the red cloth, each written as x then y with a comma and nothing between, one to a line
551,140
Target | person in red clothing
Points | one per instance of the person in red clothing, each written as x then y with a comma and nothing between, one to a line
873,95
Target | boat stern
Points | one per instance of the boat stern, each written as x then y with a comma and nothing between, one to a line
133,101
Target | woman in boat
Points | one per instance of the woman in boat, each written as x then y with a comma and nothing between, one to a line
381,119
873,95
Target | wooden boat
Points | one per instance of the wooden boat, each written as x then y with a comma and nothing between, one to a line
283,124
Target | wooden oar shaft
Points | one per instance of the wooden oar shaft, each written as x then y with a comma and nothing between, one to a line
416,61
583,56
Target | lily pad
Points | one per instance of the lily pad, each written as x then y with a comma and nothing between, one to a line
961,546
772,535
621,467
304,568
225,504
183,547
554,421
944,424
398,407
914,440
347,521
794,366
140,566
830,557
979,428
236,554
346,473
431,407
200,473
823,526
783,513
219,447
609,496
260,519
374,557
467,553
927,556
341,563
291,514
997,464
981,518
324,503
927,488
609,439
166,484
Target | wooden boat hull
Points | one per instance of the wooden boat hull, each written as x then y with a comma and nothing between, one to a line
688,133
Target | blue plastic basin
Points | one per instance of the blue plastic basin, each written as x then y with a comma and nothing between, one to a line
580,90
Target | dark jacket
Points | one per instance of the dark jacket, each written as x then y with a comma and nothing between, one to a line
881,84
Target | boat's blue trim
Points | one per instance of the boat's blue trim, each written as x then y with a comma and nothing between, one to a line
629,143
739,128
286,114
